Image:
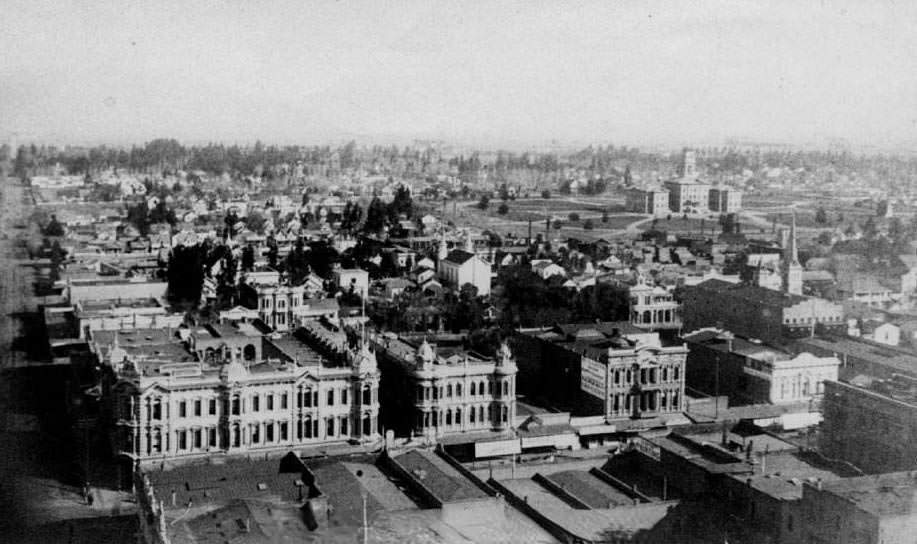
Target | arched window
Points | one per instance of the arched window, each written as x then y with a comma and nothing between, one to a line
458,390
472,388
249,352
490,388
481,413
506,388
471,413
449,391
367,395
481,388
448,417
458,416
235,405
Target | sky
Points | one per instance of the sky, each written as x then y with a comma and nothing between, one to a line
489,73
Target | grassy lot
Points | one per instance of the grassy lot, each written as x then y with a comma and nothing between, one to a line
680,224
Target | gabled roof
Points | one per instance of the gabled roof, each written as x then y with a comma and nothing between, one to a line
459,256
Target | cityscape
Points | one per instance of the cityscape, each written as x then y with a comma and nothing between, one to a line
302,300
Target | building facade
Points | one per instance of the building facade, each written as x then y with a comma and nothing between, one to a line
688,196
461,267
435,391
857,510
653,308
875,427
725,200
278,394
755,373
611,369
649,201
758,312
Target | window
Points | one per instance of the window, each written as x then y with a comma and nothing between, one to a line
283,431
256,434
329,426
212,437
343,396
236,437
472,388
256,403
182,409
448,417
235,405
344,425
506,388
269,433
212,408
471,415
157,409
458,416
449,390
198,440
197,407
270,402
283,401
331,397
481,413
367,395
458,390
182,440
157,441
307,396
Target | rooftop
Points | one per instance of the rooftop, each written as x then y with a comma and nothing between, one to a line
893,494
872,352
751,293
444,481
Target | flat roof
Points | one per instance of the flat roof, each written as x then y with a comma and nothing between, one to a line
891,494
872,352
443,480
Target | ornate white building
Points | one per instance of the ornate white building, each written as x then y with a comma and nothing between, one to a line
437,392
246,394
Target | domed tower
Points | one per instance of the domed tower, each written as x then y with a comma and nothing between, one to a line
425,356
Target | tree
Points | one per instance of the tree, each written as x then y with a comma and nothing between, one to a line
588,224
503,209
484,202
185,274
821,216
375,216
248,259
882,208
546,194
557,224
573,217
255,222
54,228
139,216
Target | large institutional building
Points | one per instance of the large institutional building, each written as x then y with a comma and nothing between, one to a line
436,389
611,369
754,372
223,390
684,194
758,312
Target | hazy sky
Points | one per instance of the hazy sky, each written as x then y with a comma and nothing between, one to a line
529,72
